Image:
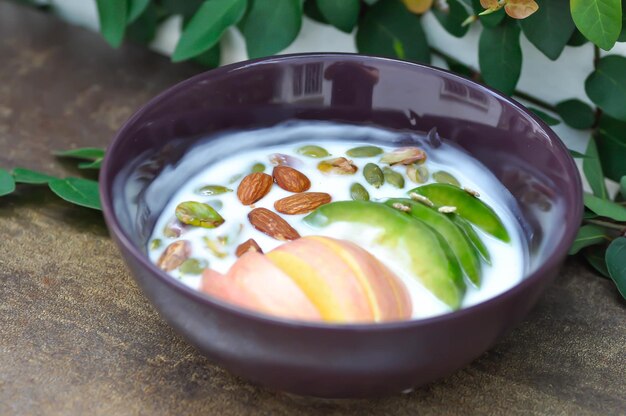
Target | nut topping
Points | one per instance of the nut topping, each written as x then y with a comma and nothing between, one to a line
254,187
339,166
290,179
301,203
174,255
272,224
405,156
246,246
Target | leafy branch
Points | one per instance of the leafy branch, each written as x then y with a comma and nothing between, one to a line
394,28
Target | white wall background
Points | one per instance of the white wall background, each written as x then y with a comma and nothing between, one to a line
552,81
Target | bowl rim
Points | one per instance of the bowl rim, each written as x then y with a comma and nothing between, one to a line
559,251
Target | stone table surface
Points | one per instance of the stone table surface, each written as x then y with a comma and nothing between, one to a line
77,336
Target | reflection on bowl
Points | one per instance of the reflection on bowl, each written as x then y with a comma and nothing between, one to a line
339,360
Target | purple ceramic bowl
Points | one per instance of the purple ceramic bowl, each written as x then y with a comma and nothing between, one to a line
340,360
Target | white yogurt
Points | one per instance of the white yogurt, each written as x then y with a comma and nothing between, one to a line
508,259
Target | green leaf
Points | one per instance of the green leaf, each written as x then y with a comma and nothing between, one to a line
611,141
311,10
96,164
550,27
622,185
185,8
576,114
270,26
89,153
606,86
589,235
112,15
616,263
389,29
7,183
452,18
136,8
577,39
593,170
143,30
599,20
622,36
341,14
22,175
595,256
210,58
206,27
604,207
577,155
83,192
500,56
550,121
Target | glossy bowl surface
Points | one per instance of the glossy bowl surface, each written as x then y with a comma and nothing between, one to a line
351,360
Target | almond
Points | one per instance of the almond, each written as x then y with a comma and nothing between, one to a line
290,179
254,187
174,255
272,224
301,203
247,246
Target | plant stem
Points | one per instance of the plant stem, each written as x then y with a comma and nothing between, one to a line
606,224
520,94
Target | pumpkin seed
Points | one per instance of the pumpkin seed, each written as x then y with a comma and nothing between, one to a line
209,190
445,177
358,192
312,150
417,173
373,175
156,244
215,246
258,167
364,151
394,178
193,266
198,214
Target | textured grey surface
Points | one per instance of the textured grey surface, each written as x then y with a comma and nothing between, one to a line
77,337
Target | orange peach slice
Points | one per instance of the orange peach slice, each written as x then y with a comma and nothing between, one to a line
253,282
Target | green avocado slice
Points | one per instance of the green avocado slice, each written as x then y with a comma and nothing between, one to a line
472,236
459,244
467,206
429,258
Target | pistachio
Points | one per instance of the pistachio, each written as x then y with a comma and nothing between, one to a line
404,155
193,266
420,198
373,175
156,244
394,178
416,173
445,177
173,229
209,190
215,247
358,192
174,255
339,166
312,150
364,151
198,214
258,167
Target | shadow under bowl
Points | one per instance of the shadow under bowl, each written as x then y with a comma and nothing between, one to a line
316,359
